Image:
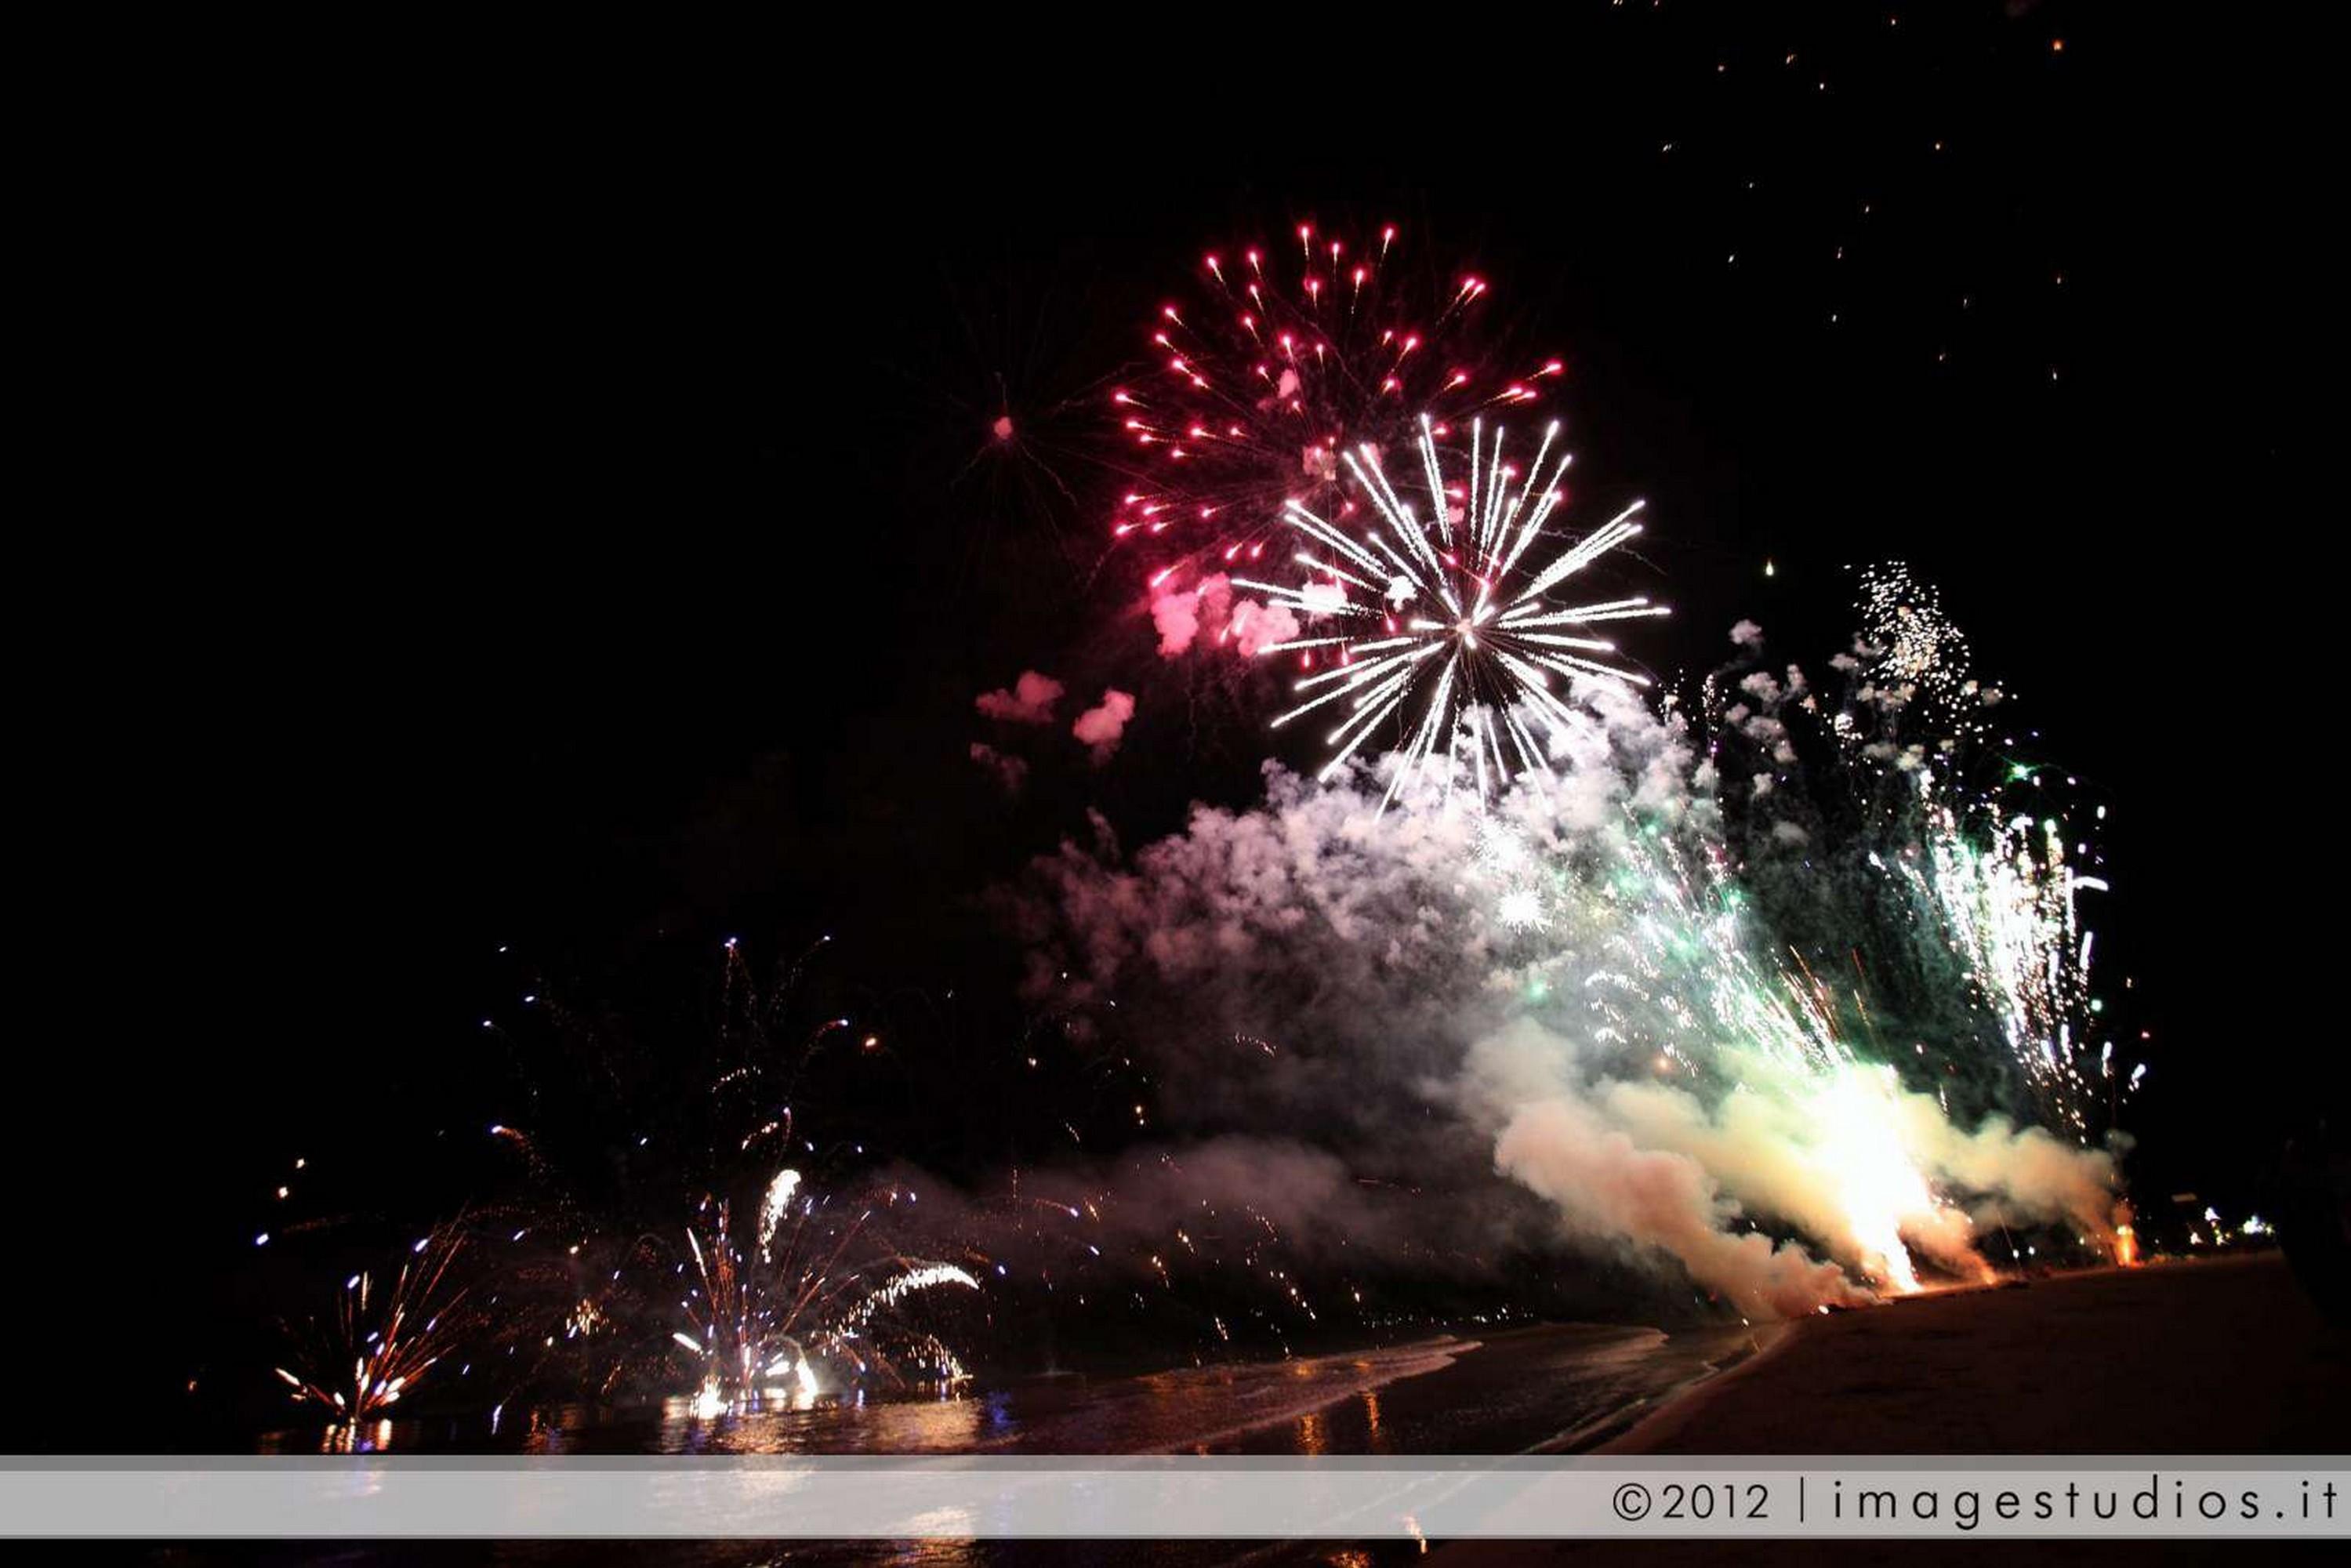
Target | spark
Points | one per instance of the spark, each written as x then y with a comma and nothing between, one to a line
379,1345
1259,384
1521,909
1468,625
778,1200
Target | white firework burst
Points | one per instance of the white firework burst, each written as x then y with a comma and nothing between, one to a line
1459,620
1521,909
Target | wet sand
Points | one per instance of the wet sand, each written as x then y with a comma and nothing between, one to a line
2218,1357
2225,1355
1555,1388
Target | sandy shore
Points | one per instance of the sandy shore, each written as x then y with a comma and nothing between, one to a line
2226,1356
2220,1356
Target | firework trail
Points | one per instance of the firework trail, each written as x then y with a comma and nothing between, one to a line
808,1301
1455,617
1753,1031
652,1245
377,1344
763,1320
1917,658
1956,870
2005,900
1292,356
588,1268
1715,993
1658,983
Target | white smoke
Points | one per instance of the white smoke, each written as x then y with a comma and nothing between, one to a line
1629,1164
1637,1061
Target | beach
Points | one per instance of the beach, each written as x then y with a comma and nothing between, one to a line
2216,1356
2224,1355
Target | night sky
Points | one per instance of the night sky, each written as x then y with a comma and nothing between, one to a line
581,530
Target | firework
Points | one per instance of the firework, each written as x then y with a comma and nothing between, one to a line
377,1344
815,1287
1905,628
1910,668
1293,356
2006,903
774,1286
1521,909
1747,994
1665,954
1971,899
1453,613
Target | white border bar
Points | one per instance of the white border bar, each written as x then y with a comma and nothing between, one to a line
1051,1498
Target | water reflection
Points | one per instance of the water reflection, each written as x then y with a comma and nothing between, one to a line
343,1437
814,1425
1525,1389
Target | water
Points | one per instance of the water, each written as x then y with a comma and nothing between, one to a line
1556,1388
1549,1388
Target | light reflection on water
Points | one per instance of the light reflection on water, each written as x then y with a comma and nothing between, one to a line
1554,1387
1534,1388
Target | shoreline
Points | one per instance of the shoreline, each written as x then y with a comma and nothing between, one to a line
1643,1427
2209,1355
1544,1388
2203,1355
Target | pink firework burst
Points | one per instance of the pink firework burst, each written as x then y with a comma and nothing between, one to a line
1289,356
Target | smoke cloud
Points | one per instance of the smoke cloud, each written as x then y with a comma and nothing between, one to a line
1030,700
1630,1045
1101,728
1010,772
1183,617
